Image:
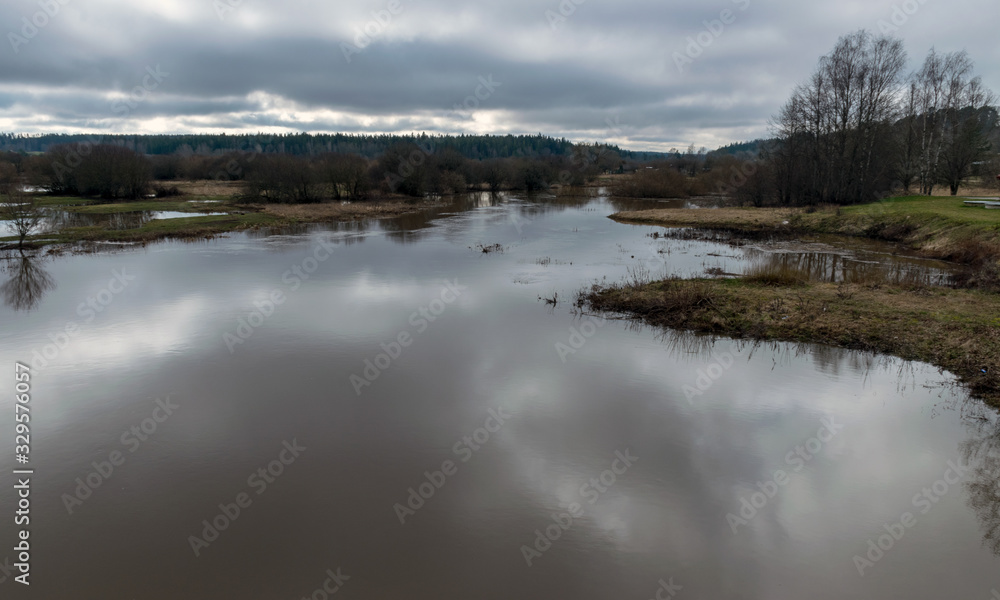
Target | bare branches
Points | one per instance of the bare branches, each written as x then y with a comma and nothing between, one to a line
835,126
949,103
21,211
855,129
27,284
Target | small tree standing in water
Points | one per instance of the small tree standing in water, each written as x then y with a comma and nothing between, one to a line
21,210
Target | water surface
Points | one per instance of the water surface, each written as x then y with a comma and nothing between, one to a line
708,426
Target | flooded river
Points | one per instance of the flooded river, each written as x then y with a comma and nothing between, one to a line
384,410
57,219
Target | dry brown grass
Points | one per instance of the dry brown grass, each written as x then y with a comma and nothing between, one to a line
728,219
775,274
335,211
205,188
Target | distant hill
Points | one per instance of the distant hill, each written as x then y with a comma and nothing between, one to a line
743,149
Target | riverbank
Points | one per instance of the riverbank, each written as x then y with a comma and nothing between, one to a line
936,227
955,330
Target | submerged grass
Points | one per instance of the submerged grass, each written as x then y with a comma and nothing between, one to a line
146,205
63,201
188,228
198,225
338,211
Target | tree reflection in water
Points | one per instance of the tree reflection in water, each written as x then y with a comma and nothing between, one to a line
28,282
982,450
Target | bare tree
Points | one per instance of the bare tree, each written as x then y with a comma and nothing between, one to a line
982,451
21,210
909,165
112,171
967,139
836,129
953,117
347,175
494,173
105,170
282,178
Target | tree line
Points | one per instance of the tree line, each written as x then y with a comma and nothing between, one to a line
478,147
413,170
114,171
407,169
861,127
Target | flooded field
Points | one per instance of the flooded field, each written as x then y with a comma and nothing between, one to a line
119,221
387,410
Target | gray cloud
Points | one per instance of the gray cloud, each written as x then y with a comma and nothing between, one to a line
605,71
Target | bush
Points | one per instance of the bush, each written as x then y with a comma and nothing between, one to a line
656,181
166,167
495,173
776,274
530,176
167,192
402,169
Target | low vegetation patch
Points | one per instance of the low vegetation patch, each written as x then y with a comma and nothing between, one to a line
733,219
145,205
340,211
774,274
489,249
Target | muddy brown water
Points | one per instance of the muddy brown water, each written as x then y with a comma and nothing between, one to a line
393,413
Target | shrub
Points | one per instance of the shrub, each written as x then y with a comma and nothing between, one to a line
776,274
530,175
659,181
167,192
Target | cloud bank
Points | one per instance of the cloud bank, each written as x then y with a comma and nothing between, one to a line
642,74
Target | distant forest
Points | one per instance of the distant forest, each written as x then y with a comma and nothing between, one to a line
473,147
750,149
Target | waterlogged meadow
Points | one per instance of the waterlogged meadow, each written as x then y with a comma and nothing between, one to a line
372,408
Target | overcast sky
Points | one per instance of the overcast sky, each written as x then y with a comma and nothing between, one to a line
645,74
